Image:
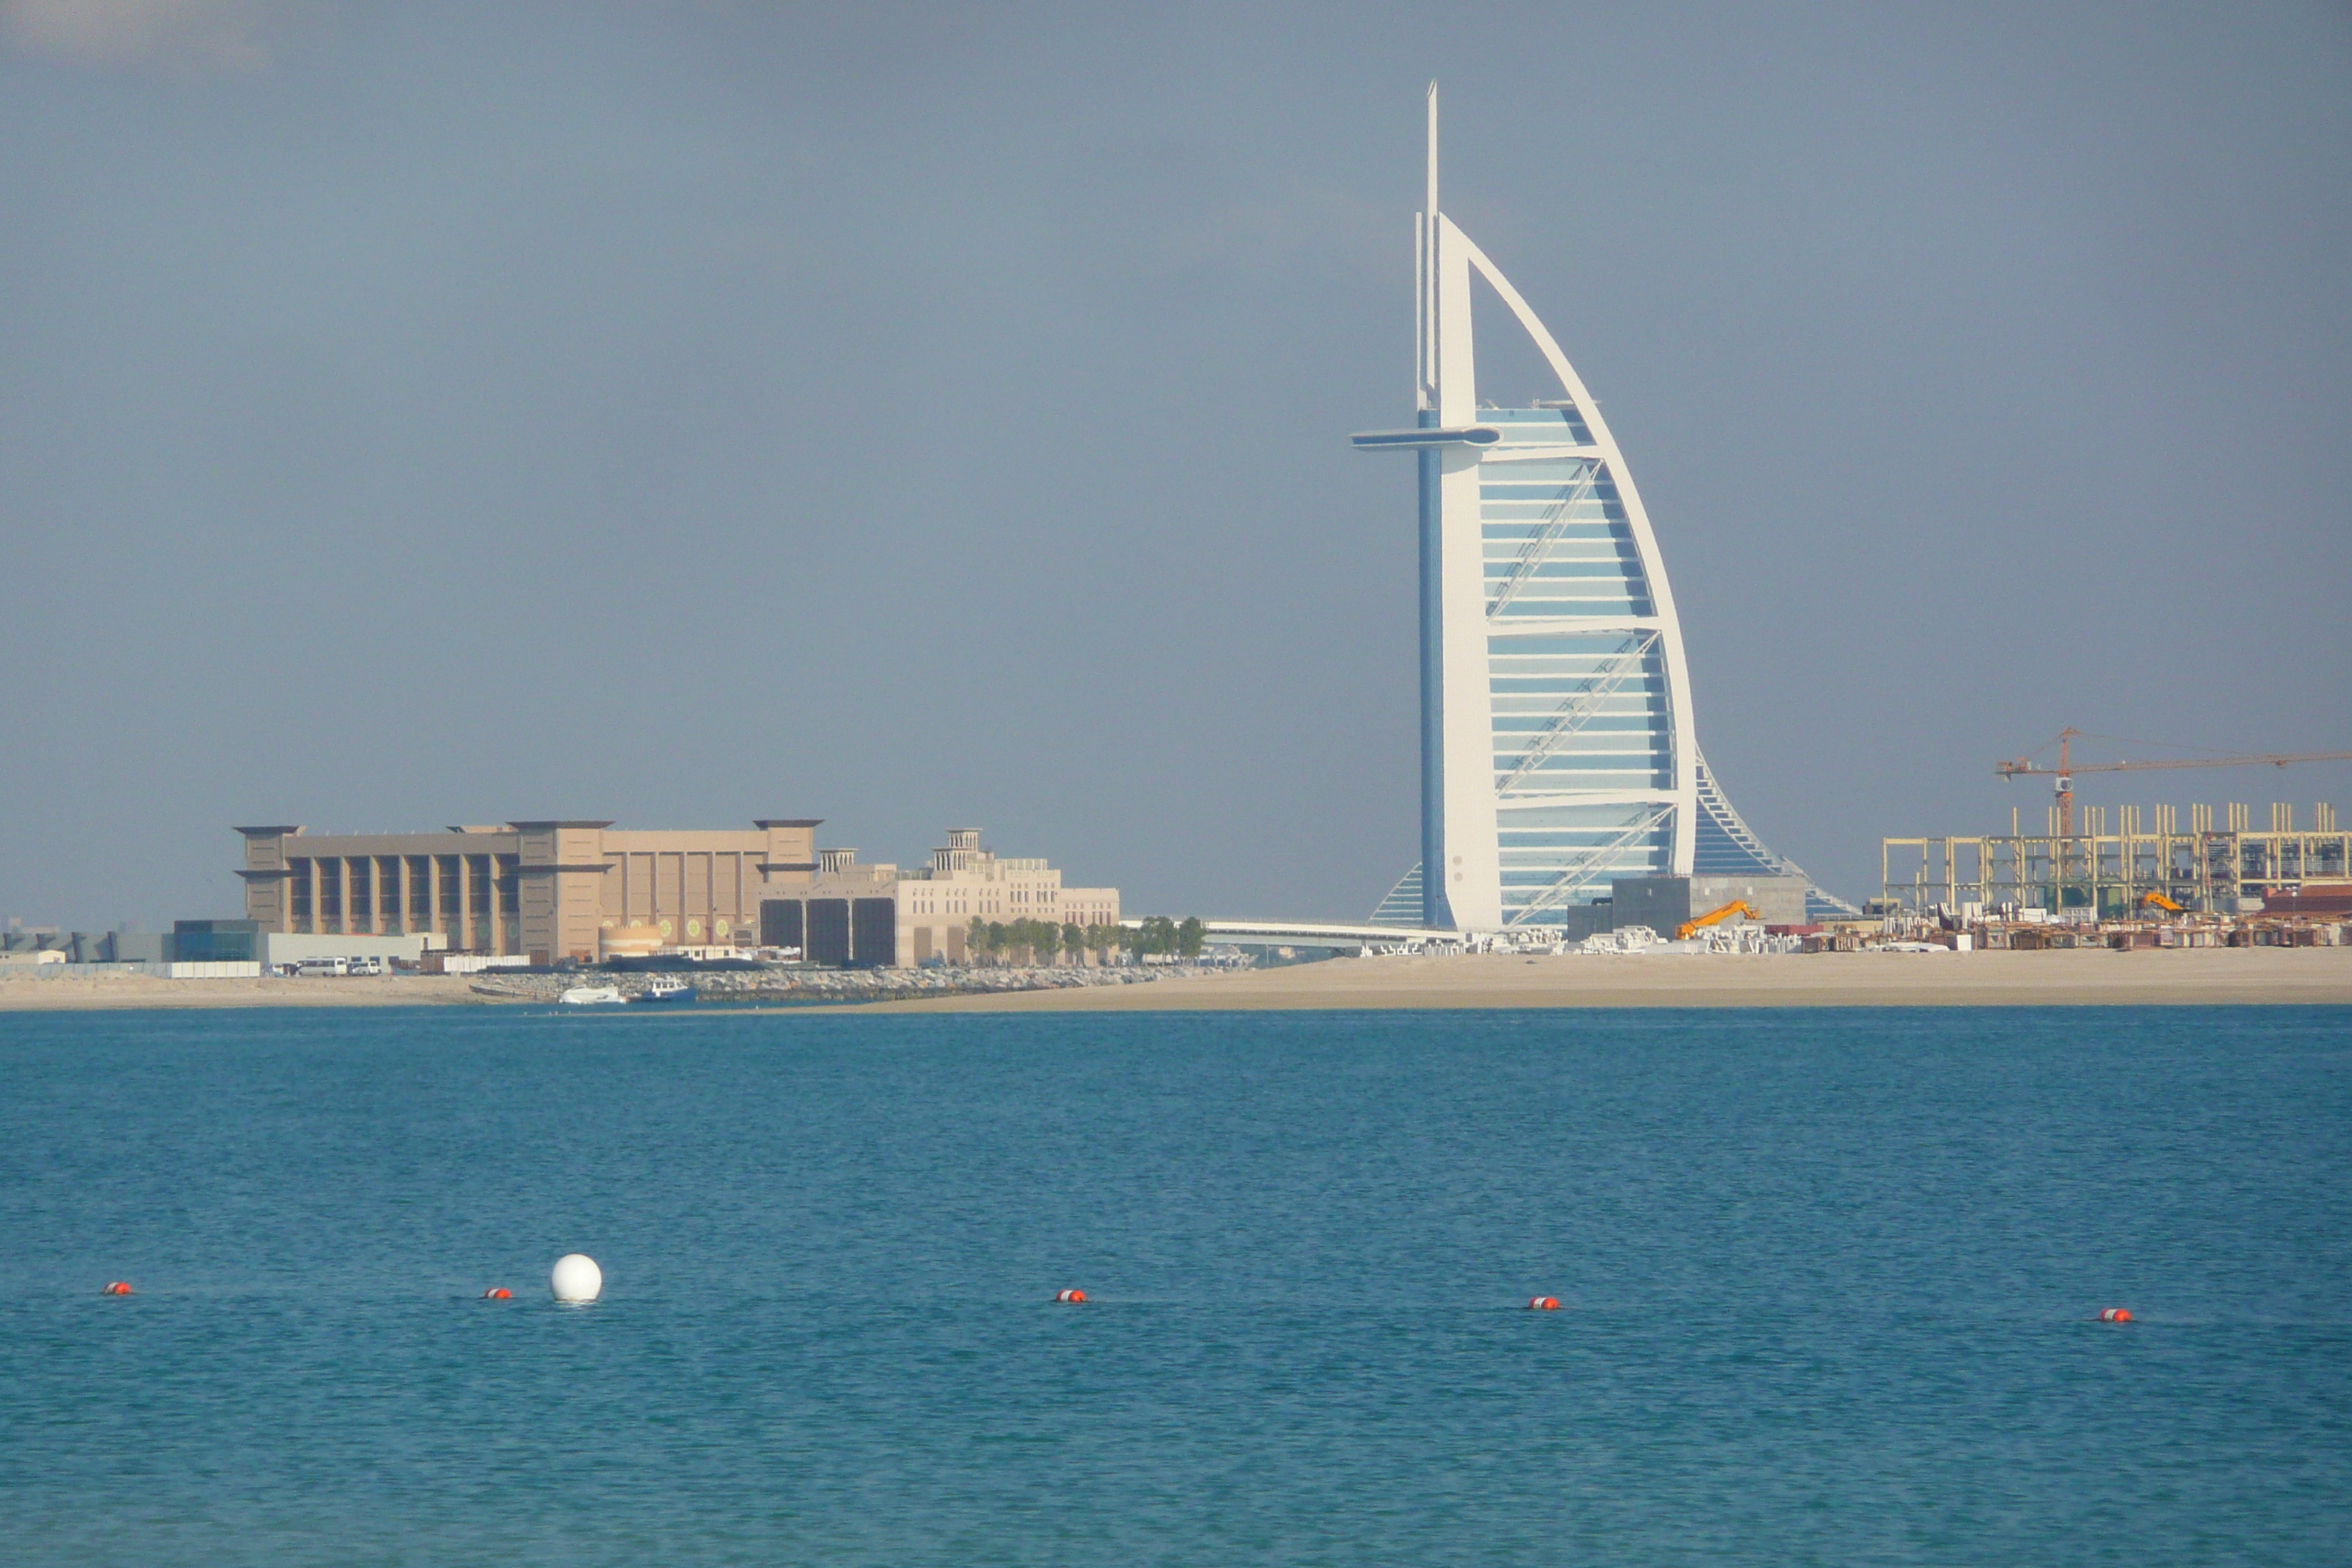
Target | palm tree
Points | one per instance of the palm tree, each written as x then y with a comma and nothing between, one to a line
1045,939
1159,934
1074,941
1191,936
975,940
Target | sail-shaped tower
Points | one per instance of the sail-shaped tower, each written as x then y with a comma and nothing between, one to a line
1557,746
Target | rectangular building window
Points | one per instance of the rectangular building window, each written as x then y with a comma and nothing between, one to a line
478,890
510,890
780,922
829,930
215,942
875,933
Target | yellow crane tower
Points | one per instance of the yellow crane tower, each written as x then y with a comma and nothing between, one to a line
2024,767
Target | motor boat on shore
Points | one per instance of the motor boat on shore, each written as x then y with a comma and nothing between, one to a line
591,997
665,988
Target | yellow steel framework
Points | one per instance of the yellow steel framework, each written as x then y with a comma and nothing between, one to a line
2206,868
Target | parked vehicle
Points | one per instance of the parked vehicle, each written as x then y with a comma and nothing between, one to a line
319,966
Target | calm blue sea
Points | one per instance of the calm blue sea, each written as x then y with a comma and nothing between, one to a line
1828,1282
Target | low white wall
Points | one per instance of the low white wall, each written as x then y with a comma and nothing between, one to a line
218,969
476,963
289,947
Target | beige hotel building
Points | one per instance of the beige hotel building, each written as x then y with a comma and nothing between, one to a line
585,891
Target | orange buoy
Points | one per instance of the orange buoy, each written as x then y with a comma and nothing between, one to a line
1543,1303
2115,1315
497,1293
117,1288
1071,1296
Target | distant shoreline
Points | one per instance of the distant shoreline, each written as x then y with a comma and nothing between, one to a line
2083,977
21,992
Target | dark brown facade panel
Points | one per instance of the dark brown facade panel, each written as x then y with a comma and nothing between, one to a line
875,933
828,932
780,922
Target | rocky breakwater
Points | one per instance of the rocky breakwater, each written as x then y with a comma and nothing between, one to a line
807,987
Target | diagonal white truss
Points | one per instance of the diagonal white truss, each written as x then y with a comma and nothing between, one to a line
1554,524
1717,807
1580,873
1404,901
1582,705
1711,800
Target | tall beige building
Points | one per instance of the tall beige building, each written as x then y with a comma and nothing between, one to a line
562,890
545,888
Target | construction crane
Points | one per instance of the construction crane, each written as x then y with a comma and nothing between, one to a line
2160,902
2023,767
1737,906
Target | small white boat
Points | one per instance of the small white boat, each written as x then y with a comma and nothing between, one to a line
591,996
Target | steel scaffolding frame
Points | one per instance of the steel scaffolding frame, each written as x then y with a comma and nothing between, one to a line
2204,868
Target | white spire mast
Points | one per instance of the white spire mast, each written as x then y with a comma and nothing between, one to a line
1426,305
1433,149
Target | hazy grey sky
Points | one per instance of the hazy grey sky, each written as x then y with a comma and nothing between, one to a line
681,414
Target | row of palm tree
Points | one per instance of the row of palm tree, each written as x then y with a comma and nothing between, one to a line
1044,941
1182,939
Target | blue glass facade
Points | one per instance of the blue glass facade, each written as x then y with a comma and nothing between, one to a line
1576,667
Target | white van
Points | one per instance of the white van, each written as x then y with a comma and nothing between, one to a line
310,966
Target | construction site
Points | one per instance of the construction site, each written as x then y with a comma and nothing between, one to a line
2218,879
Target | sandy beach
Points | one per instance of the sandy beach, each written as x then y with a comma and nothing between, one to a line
2207,977
2081,977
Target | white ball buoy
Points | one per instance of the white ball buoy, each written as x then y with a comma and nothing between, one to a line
576,1277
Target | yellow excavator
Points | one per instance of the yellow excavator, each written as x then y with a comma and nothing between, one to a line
1737,906
2160,902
